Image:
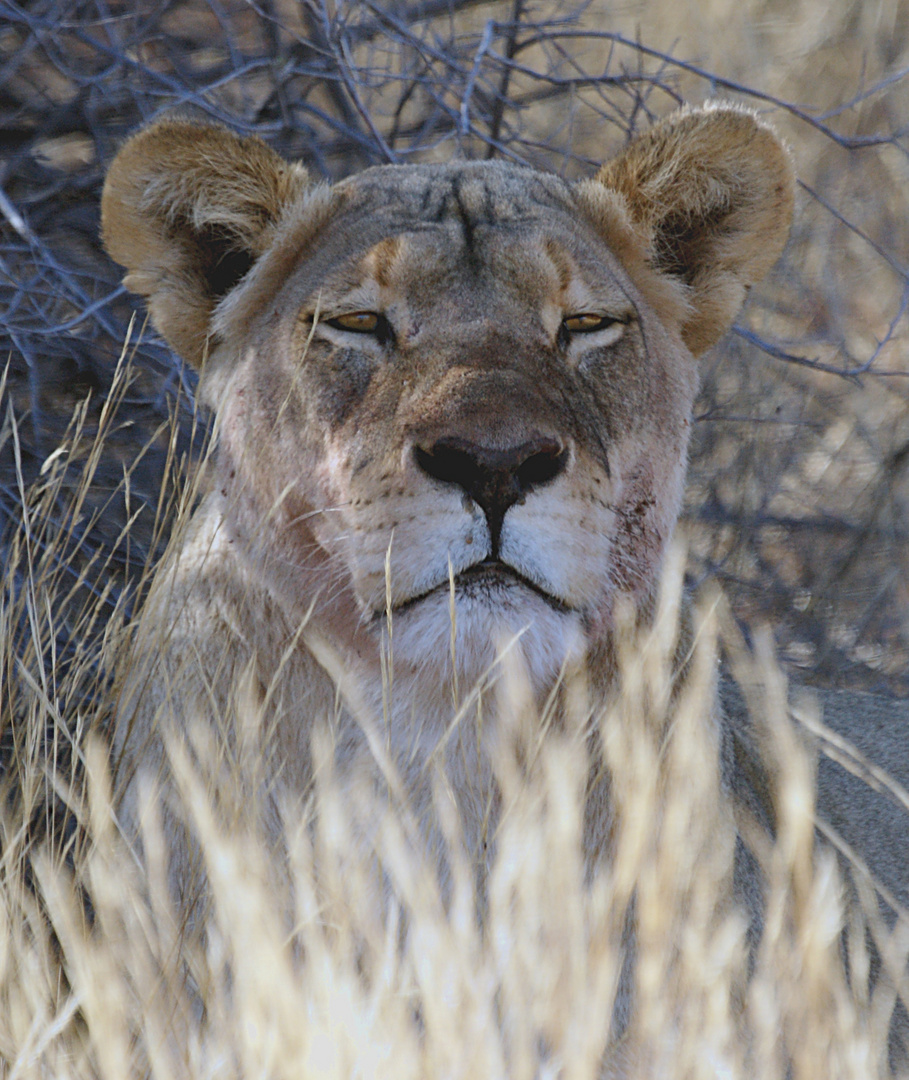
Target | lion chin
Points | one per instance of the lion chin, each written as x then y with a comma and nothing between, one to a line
470,623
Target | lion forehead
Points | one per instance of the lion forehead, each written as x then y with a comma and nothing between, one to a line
474,193
467,215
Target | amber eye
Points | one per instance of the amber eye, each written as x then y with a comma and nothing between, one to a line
358,322
587,323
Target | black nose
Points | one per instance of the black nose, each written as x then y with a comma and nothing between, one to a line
494,478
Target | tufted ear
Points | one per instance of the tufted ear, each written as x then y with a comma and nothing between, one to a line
712,191
187,209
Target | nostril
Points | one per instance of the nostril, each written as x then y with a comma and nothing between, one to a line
451,462
547,459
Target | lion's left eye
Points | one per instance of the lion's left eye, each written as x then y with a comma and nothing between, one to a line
588,323
359,322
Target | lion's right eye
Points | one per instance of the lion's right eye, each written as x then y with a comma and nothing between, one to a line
372,323
358,322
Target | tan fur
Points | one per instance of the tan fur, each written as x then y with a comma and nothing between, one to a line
168,185
474,456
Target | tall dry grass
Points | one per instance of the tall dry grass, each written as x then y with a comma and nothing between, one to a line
365,959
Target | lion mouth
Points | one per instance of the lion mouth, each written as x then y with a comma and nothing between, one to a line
484,580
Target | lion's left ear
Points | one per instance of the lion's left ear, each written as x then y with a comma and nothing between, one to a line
712,190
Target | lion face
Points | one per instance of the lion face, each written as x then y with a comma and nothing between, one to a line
472,414
453,402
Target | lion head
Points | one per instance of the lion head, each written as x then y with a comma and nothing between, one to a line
450,399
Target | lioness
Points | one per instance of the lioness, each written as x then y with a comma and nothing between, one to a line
453,406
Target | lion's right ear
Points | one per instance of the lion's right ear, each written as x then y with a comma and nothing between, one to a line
187,209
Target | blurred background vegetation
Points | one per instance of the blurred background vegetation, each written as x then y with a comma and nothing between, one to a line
798,501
